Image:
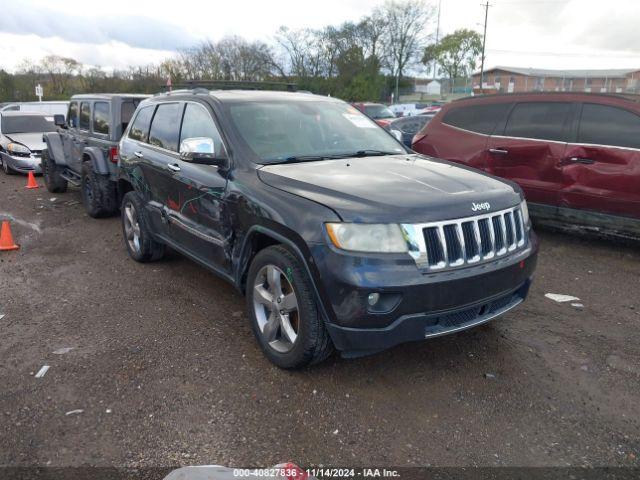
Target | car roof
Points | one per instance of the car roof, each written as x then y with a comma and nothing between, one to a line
245,95
20,113
107,96
555,95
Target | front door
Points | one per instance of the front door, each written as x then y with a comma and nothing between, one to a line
80,136
602,167
530,147
196,195
67,136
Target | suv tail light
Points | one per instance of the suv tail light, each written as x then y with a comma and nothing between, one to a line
113,154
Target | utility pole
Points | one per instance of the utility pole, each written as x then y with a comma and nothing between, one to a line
437,37
484,42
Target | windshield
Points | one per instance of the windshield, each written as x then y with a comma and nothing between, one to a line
289,130
27,124
378,111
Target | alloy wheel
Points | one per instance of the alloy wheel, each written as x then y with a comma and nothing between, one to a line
132,227
276,308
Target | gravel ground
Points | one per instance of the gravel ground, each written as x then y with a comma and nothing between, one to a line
166,371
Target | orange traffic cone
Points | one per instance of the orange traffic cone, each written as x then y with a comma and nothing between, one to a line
31,181
6,239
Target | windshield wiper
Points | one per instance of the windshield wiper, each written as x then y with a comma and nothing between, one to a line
366,153
334,156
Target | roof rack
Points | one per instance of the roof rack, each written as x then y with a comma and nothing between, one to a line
202,86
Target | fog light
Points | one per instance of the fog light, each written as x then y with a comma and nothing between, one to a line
373,298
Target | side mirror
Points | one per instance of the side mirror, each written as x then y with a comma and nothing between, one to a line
59,120
397,134
200,150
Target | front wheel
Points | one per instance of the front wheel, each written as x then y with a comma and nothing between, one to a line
136,230
52,174
283,312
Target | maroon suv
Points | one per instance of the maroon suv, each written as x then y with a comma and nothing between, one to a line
576,155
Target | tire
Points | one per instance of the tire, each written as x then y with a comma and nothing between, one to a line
145,249
312,343
6,168
52,174
98,193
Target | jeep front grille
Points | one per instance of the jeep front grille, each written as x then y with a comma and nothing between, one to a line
467,241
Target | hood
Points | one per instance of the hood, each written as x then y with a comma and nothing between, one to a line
392,189
33,141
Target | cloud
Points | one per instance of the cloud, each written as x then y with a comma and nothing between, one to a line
26,17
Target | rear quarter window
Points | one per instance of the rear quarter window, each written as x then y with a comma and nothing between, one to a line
476,118
140,127
101,118
606,125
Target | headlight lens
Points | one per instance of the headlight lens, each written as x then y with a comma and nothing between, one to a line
19,149
362,237
525,212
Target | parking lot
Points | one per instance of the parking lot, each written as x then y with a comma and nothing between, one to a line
165,370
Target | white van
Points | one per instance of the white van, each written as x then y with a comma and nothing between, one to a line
45,108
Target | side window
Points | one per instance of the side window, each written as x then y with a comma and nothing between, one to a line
165,127
477,118
85,115
101,117
539,120
140,128
72,115
198,123
604,125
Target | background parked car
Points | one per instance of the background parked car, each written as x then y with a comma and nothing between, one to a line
46,108
84,151
407,109
21,140
576,155
405,128
376,111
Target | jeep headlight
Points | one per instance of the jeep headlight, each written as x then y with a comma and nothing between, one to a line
363,237
525,212
17,149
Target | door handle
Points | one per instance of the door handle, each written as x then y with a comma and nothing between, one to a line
498,151
584,161
174,167
138,154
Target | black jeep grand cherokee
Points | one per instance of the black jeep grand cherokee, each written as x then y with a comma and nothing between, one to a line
337,234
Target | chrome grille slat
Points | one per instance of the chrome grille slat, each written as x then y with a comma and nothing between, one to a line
466,241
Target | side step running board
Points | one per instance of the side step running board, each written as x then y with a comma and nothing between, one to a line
71,177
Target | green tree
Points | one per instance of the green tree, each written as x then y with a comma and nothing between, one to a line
456,53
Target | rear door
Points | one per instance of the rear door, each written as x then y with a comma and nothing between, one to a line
462,132
530,148
602,167
196,194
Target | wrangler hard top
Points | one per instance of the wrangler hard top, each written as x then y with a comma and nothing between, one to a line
84,150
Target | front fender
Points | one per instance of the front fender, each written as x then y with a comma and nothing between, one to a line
302,253
54,147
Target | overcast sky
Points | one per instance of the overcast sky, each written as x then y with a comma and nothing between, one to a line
119,33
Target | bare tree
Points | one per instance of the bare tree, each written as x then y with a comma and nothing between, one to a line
404,36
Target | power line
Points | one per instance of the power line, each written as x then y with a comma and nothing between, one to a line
567,54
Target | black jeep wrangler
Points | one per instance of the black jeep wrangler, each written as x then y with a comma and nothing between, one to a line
337,234
84,149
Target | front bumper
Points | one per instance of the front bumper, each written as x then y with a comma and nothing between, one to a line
23,164
419,305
